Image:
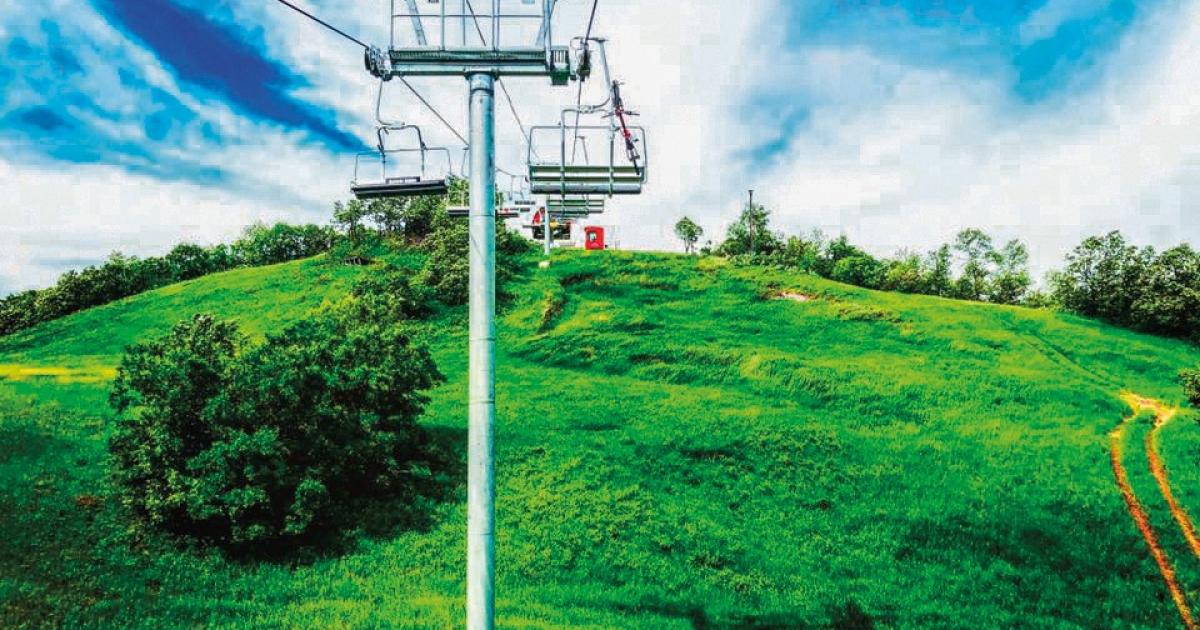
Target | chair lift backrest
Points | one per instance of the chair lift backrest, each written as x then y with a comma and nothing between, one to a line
417,181
608,175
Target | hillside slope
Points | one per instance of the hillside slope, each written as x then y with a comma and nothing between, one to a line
678,446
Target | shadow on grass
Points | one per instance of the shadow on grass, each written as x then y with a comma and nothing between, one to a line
23,443
848,616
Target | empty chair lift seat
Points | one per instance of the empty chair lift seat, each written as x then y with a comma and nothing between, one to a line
585,179
400,187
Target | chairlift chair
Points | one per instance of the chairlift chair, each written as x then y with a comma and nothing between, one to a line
419,180
517,200
560,227
604,177
573,172
575,206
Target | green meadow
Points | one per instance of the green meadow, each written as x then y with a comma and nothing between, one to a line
681,443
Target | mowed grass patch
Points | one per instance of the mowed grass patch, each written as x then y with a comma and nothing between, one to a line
675,448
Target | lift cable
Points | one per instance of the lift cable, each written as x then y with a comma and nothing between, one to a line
419,96
579,94
517,117
591,20
416,93
324,23
434,110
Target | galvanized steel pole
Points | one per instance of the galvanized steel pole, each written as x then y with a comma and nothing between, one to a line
481,474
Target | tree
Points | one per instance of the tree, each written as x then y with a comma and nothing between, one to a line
388,215
1103,278
750,234
447,268
862,271
937,277
904,274
349,216
1010,280
976,250
240,443
801,253
187,261
420,214
688,232
1169,299
834,252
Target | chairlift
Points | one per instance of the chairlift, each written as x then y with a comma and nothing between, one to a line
417,180
577,207
606,176
517,200
563,173
560,228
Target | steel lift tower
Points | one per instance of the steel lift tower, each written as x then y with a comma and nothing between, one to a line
480,41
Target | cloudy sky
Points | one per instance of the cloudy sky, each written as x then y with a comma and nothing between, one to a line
135,124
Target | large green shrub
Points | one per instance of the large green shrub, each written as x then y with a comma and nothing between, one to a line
447,268
240,443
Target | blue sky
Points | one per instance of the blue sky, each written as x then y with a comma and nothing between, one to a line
238,110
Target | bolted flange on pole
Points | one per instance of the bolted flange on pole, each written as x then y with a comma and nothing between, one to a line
481,473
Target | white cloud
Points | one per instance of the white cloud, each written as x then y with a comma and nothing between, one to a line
939,151
894,154
59,218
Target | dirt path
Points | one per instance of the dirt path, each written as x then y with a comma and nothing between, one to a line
1163,416
1143,524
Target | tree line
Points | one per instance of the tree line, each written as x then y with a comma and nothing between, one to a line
1136,287
122,276
972,267
1104,277
360,232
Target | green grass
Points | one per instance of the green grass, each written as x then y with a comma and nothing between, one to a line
675,450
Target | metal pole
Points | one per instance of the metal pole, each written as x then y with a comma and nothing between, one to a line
750,222
546,229
481,474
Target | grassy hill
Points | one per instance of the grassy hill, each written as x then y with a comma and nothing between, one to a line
678,446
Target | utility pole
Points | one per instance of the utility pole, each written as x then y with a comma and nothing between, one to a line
750,222
481,472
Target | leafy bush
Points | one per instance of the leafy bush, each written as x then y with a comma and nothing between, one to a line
239,443
387,294
447,269
1191,385
863,271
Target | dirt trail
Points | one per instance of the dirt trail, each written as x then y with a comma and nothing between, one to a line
1143,524
1162,416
